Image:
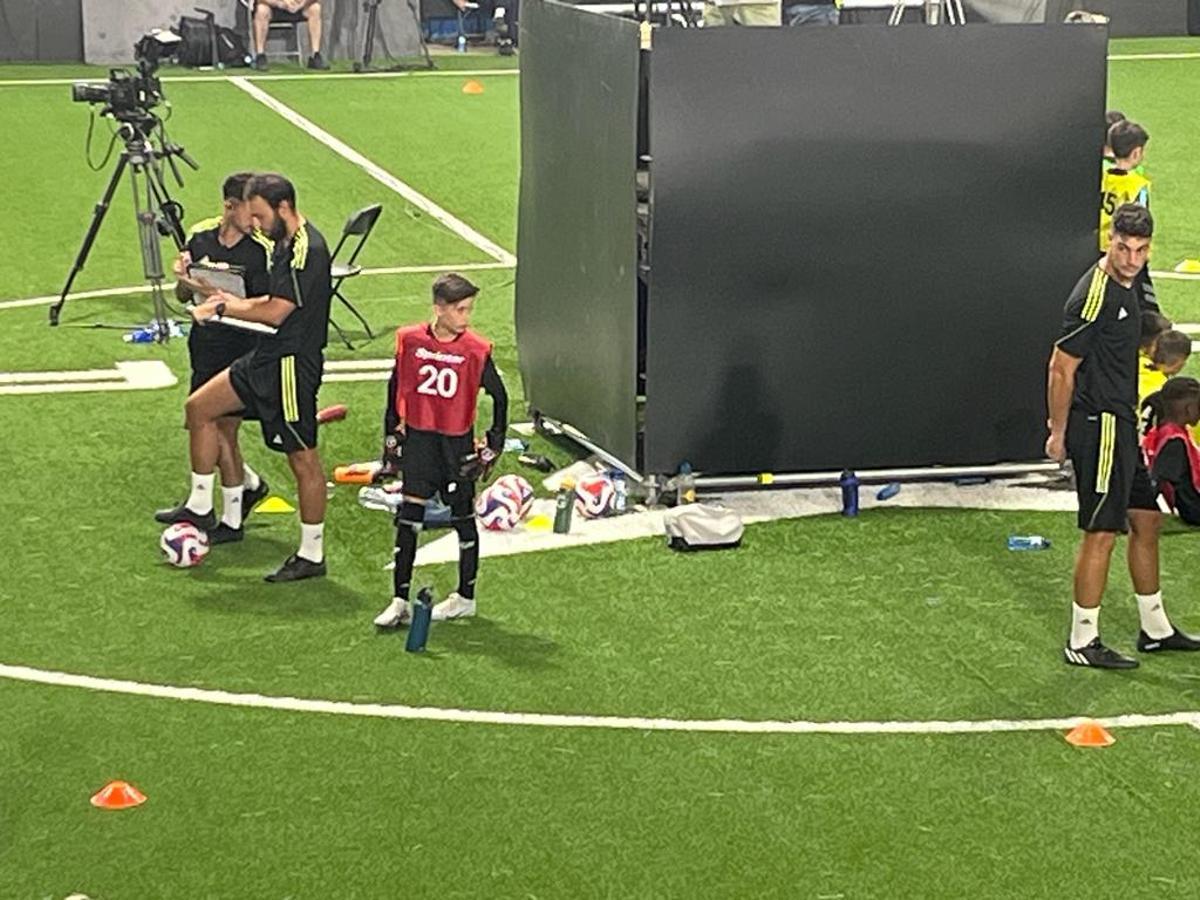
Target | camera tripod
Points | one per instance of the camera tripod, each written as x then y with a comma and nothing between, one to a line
157,214
371,8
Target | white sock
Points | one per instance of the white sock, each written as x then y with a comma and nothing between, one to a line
200,500
1154,618
250,479
1085,626
312,542
231,506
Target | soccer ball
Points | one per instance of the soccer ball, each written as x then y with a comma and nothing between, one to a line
504,503
184,545
595,496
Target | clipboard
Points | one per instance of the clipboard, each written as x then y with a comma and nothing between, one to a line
222,276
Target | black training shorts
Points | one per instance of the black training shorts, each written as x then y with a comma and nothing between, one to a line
1110,474
213,348
430,464
282,395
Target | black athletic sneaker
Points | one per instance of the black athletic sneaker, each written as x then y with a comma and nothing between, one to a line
181,513
1176,640
295,568
260,62
316,62
223,534
1097,655
251,499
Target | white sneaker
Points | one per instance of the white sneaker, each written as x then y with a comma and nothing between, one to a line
455,606
398,613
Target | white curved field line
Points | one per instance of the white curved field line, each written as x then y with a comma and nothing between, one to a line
555,720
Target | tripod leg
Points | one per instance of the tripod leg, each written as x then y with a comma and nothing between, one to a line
160,199
90,237
149,240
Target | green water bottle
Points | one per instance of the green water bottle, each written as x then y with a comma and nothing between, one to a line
564,503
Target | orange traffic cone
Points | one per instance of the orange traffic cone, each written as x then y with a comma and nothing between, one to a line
118,795
1089,734
472,87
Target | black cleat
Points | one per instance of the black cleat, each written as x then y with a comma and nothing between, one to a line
223,534
295,568
1176,640
251,499
316,62
1098,656
181,513
260,62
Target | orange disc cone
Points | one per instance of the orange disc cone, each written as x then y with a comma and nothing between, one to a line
1089,734
118,795
472,87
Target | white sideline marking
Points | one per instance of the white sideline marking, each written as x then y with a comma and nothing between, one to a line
140,375
358,369
184,79
1125,57
413,196
556,720
145,288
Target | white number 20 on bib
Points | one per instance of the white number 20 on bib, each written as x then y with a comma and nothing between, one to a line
437,382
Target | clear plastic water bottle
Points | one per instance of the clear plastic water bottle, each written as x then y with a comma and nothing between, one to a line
849,485
462,43
418,631
620,491
1028,542
685,485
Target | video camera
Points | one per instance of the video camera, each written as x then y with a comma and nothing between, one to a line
129,96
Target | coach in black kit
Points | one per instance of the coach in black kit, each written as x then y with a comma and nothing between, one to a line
277,383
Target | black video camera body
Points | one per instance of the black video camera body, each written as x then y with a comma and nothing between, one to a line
130,96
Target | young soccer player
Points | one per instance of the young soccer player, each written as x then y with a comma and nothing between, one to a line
1165,357
1121,183
1171,454
1092,399
430,422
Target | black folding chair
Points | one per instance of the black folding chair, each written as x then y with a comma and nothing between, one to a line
359,225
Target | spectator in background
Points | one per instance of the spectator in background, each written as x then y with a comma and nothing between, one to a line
309,10
814,12
739,12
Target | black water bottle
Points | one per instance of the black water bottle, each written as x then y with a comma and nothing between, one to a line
849,484
418,631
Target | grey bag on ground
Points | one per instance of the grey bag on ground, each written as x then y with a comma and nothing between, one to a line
698,526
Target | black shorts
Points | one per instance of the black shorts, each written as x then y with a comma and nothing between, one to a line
213,348
282,395
1110,474
430,464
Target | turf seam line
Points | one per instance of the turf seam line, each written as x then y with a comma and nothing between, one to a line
387,179
557,720
145,288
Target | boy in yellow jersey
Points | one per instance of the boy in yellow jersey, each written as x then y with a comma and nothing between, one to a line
1121,183
1165,359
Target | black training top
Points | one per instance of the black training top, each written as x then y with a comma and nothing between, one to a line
300,273
1102,327
250,254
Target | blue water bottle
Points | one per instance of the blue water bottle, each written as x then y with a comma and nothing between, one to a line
620,492
1028,542
849,484
418,631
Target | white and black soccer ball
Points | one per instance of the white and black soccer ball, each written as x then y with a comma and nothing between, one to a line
184,545
595,496
504,503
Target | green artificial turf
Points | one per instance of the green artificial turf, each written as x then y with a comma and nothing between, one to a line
900,614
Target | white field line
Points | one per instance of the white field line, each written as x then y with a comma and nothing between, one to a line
145,288
184,79
553,720
413,196
1127,57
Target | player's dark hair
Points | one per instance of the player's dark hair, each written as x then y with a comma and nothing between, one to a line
1133,220
1153,325
1172,347
452,288
1125,136
1171,399
273,188
234,187
1112,117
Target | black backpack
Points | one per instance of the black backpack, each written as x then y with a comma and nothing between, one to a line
195,47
